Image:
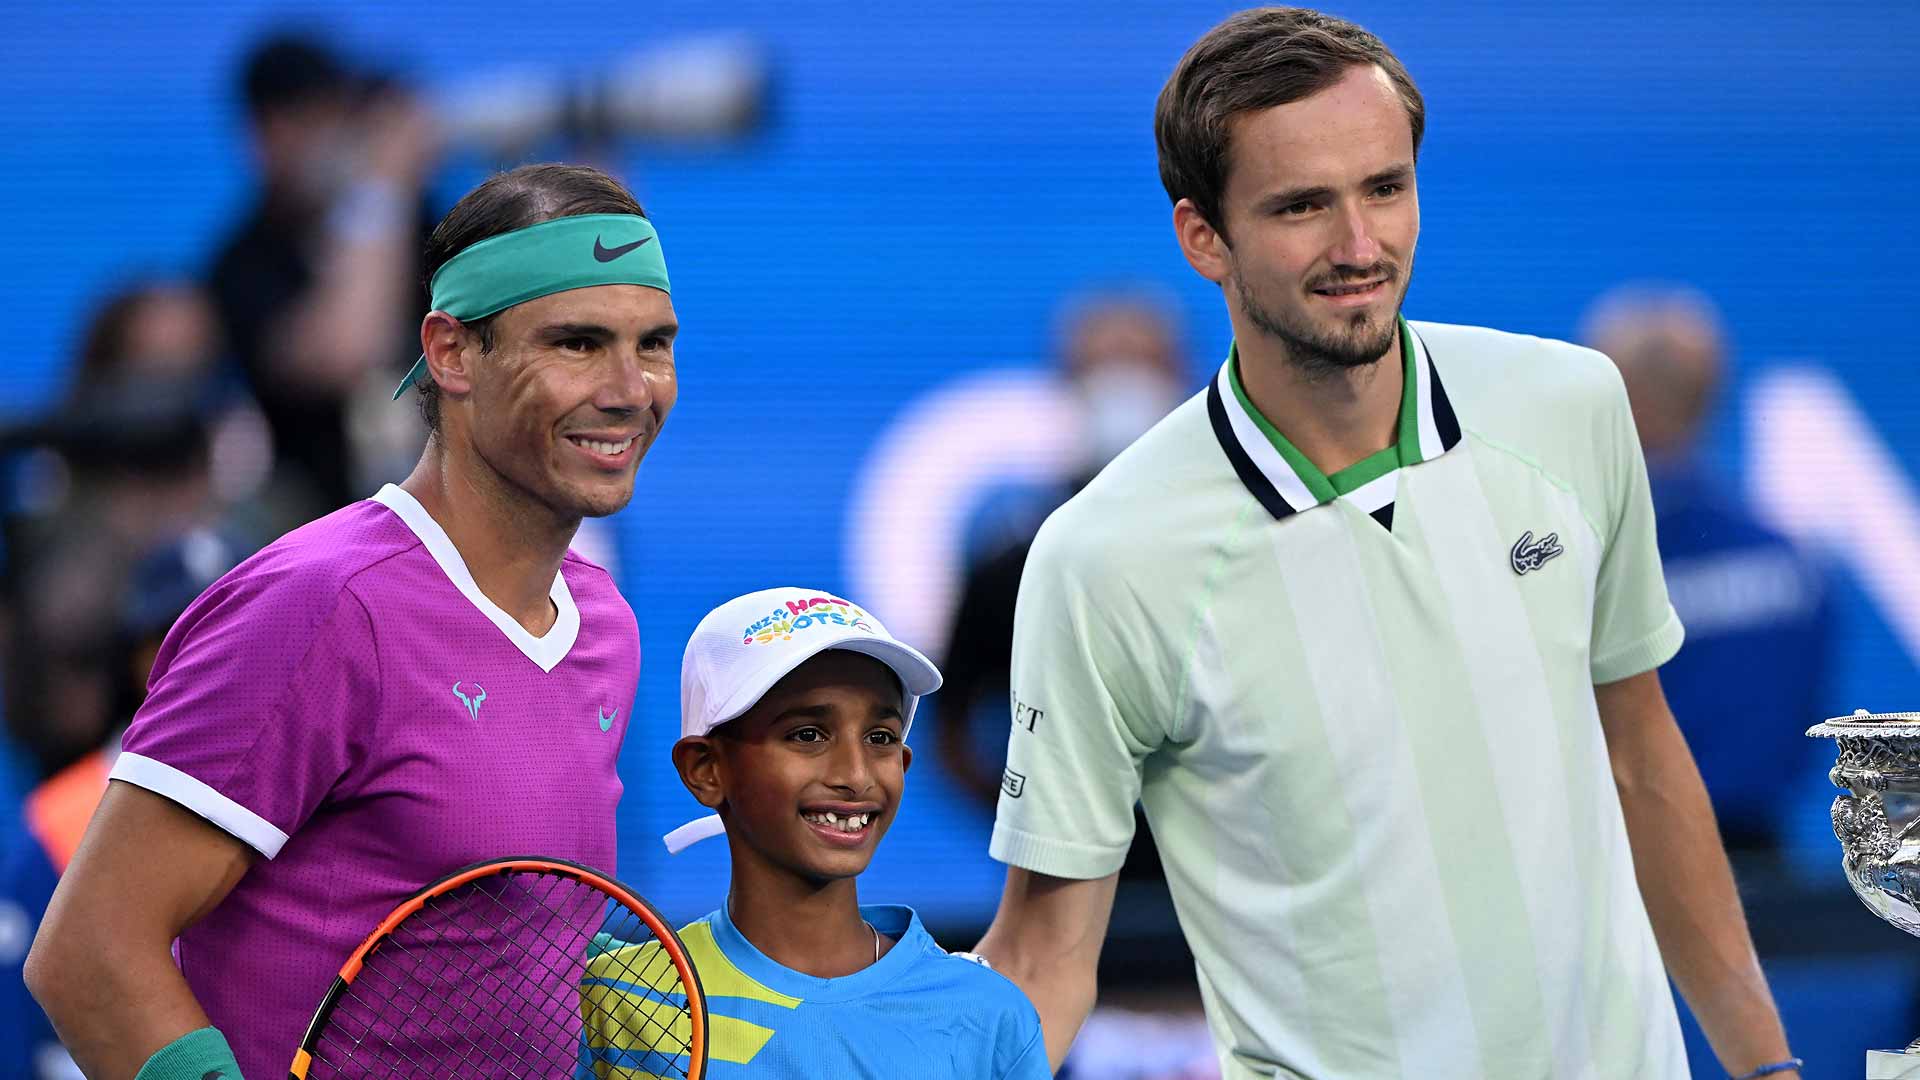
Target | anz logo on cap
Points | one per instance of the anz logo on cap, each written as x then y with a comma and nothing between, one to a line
796,616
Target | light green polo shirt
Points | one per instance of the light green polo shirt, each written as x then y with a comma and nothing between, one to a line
1359,711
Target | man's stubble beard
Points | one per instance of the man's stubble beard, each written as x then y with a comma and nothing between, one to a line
543,494
539,502
1316,353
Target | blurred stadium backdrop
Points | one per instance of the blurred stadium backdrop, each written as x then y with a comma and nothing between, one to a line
868,284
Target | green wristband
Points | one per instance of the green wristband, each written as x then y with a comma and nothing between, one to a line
197,1055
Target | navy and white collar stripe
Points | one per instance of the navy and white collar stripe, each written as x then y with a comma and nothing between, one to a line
1439,427
1273,482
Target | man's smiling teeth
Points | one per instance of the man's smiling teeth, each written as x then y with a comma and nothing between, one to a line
842,822
1346,290
608,448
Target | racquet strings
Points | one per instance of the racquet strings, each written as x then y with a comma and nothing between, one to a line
492,979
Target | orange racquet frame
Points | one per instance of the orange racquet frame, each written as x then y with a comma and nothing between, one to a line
669,942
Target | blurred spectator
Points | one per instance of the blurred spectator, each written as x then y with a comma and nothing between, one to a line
127,638
59,635
318,287
148,445
1749,679
161,329
1120,355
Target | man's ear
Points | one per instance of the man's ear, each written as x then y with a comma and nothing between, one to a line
1206,250
444,342
906,757
697,759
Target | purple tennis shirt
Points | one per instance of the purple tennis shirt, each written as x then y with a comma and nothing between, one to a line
350,705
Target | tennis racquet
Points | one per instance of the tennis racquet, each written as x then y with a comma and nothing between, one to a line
525,967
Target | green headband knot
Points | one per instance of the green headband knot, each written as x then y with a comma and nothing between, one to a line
566,253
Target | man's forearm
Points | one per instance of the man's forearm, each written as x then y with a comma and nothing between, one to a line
115,1011
1689,891
102,965
1046,937
1063,1002
346,325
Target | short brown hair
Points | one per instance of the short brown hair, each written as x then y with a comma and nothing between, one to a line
1257,59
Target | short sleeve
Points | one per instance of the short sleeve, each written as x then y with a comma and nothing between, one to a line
1085,716
1635,628
1031,1063
258,705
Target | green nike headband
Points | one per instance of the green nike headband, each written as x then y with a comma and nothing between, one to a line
539,260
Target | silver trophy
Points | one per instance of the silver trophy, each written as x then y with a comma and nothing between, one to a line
1878,823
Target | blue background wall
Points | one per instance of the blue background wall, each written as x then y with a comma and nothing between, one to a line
937,177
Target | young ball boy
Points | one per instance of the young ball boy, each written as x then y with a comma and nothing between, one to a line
795,707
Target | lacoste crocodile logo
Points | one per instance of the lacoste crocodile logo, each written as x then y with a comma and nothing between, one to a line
1529,554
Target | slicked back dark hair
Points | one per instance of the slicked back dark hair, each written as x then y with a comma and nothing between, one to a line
1257,59
507,201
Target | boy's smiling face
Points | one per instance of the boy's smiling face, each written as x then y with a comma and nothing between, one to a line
809,778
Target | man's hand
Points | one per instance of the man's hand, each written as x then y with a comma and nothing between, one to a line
102,965
1046,937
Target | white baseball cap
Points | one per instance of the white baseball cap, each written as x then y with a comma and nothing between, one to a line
746,645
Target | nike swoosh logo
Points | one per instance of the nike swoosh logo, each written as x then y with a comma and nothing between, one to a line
608,254
606,722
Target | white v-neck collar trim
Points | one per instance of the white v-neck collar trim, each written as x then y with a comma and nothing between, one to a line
547,650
